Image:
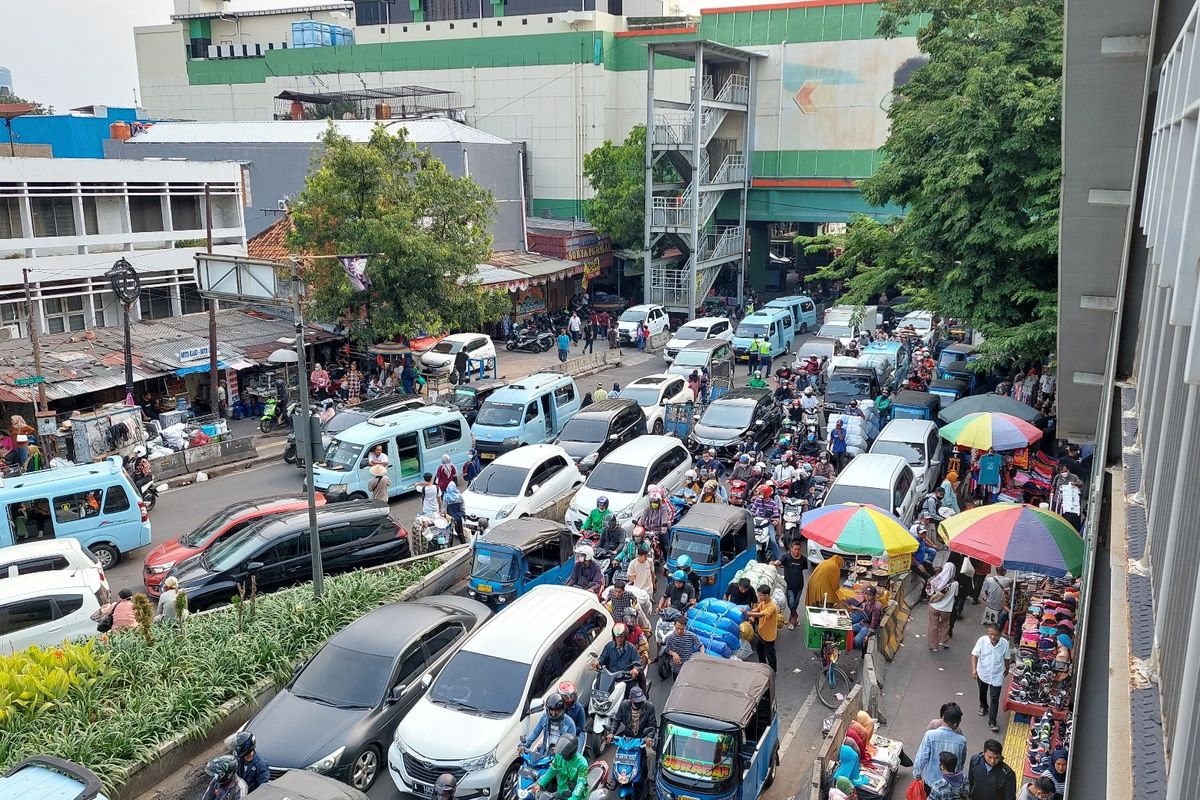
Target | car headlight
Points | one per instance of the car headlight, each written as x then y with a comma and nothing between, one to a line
589,460
327,763
338,487
160,568
504,512
511,441
486,761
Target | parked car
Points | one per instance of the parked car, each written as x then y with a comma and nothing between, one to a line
492,691
601,428
918,443
696,330
655,318
530,481
626,474
847,385
735,417
439,359
357,533
51,555
337,715
45,608
652,392
220,526
51,778
470,397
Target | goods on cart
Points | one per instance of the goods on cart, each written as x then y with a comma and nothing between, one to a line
1047,735
718,624
760,573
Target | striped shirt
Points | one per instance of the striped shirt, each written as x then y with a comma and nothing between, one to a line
685,646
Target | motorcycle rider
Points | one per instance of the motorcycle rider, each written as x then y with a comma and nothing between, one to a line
711,463
620,655
811,445
568,770
140,469
812,369
684,565
795,411
767,507
785,471
251,767
824,466
742,469
679,595
595,521
757,476
690,490
620,599
551,727
636,633
658,516
586,572
809,403
713,492
612,537
574,708
638,719
757,381
782,445
225,783
801,481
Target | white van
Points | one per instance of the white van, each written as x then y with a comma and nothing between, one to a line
803,309
625,476
695,331
884,481
654,316
492,691
45,608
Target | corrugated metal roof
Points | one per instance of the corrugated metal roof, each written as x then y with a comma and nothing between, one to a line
420,131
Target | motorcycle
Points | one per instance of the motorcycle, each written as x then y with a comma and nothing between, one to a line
529,341
608,692
289,451
274,415
623,781
664,627
737,493
762,540
149,494
533,766
793,509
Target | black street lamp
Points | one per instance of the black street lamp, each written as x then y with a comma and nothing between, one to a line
127,286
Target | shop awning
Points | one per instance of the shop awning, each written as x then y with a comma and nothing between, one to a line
550,270
494,277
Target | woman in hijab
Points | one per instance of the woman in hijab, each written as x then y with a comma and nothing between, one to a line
843,790
942,591
950,485
1056,770
825,583
849,766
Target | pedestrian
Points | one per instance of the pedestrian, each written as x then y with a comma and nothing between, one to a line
462,368
990,661
1040,789
941,591
473,466
428,491
379,483
446,473
615,391
693,383
614,338
995,594
988,777
506,326
642,333
867,618
964,576
408,375
589,337
837,444
455,510
1046,386
794,562
564,344
604,323
741,593
767,615
600,394
752,355
951,784
1056,770
222,399
166,611
575,326
120,611
1070,501
942,739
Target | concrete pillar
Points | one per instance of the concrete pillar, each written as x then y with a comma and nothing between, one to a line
760,247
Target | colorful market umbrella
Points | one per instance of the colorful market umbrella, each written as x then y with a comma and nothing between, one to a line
858,528
989,429
1017,536
996,403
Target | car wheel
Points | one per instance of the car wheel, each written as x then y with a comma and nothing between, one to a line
106,554
658,427
365,768
804,327
774,768
358,496
508,786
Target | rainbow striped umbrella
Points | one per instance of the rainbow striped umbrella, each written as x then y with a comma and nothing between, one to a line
989,429
858,528
1017,536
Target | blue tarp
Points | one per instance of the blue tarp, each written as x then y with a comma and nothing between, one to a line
197,368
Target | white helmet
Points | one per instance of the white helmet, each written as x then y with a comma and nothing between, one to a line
690,475
139,451
586,551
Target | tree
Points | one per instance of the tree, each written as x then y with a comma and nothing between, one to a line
617,174
424,229
973,156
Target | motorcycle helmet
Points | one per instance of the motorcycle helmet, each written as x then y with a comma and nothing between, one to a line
710,486
568,691
602,501
796,403
789,457
555,705
445,786
806,470
630,616
743,459
222,768
758,373
243,744
639,533
766,490
586,551
679,576
567,746
759,469
139,452
690,476
619,631
808,391
684,563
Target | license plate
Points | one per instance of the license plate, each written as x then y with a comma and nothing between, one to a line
743,358
486,456
422,789
485,589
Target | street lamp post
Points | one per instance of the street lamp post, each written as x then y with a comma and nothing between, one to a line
127,287
314,535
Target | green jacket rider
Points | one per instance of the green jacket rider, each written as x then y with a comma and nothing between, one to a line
568,770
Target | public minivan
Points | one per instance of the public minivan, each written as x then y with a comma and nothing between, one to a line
773,324
414,442
531,410
802,308
94,503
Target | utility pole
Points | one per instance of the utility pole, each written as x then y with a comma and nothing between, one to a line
214,375
33,321
314,536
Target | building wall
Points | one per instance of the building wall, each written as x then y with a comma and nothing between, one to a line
72,135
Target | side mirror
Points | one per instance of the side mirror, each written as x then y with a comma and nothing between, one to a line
760,422
536,705
254,566
937,462
534,487
426,679
396,693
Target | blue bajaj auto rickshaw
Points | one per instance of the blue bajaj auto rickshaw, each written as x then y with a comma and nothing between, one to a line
717,539
907,404
518,555
719,732
947,390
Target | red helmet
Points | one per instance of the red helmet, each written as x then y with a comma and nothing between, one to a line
766,490
568,691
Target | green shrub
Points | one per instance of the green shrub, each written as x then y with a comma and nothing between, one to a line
152,692
35,680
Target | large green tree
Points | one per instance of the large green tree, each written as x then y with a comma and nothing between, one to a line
617,174
973,156
425,229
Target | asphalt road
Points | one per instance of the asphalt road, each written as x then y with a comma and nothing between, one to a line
800,713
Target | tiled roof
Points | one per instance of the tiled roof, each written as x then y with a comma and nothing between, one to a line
269,243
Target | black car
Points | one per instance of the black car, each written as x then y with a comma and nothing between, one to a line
349,416
358,533
601,428
338,714
735,417
469,397
849,385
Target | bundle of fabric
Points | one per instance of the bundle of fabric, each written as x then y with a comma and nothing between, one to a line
760,573
718,624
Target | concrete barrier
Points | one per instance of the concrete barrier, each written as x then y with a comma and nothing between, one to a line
204,457
586,365
658,341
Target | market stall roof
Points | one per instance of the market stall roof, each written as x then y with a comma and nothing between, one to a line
723,690
495,277
538,268
73,364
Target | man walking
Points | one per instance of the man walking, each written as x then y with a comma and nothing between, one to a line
990,661
576,327
942,739
988,777
794,562
564,345
589,337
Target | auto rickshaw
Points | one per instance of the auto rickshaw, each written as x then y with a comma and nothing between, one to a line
952,353
948,389
719,732
515,556
908,404
961,371
718,538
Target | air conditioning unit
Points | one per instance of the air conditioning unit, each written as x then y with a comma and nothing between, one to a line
9,332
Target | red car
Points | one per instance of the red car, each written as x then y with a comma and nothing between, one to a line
220,525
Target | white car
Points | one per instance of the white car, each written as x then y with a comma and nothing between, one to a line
626,474
45,608
696,330
439,359
918,443
492,691
51,555
524,482
922,322
654,316
652,392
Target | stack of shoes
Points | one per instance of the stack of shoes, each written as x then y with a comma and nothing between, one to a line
1040,742
1035,683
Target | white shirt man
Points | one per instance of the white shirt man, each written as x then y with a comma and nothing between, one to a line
989,665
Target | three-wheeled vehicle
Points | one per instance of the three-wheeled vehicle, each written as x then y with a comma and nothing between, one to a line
961,371
948,389
468,397
517,555
719,732
718,539
952,353
908,404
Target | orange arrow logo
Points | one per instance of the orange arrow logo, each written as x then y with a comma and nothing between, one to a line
804,97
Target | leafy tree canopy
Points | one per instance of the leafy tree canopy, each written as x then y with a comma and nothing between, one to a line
617,174
974,157
425,230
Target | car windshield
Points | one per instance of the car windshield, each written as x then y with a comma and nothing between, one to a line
728,415
481,683
501,415
494,565
447,347
834,331
233,551
691,358
632,316
199,535
500,480
622,478
919,323
701,548
342,455
749,331
909,452
582,429
843,385
344,678
859,494
691,333
697,755
644,396
343,420
463,396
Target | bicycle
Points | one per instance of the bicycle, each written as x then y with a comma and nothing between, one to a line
833,682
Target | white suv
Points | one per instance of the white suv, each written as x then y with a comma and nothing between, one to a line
492,691
625,476
50,555
652,392
655,318
694,331
45,608
439,359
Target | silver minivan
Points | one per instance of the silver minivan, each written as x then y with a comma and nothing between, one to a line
884,481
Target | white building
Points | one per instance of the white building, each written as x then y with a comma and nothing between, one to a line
65,222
